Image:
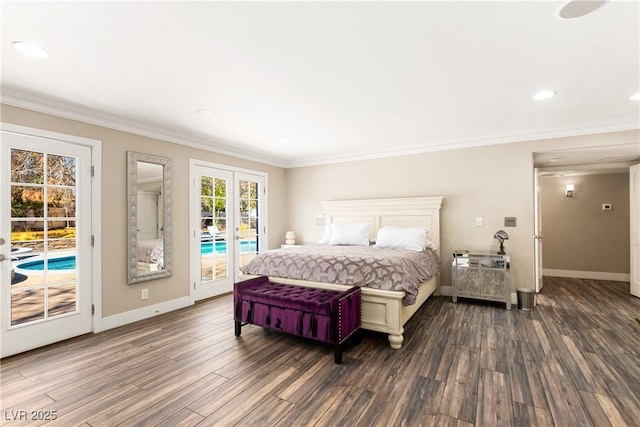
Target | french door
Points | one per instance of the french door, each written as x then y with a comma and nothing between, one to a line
228,225
45,231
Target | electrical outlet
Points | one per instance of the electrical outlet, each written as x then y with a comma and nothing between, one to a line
144,293
479,220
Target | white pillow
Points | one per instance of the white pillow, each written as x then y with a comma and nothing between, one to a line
412,238
350,234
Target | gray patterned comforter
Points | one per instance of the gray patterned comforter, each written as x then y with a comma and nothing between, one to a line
389,269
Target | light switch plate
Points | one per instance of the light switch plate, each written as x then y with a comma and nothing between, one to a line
509,221
607,207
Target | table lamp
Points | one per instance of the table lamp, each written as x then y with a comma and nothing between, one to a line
501,235
290,238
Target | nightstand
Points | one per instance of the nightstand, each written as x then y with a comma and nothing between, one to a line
481,276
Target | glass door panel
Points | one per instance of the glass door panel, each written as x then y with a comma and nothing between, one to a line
251,230
214,216
213,228
43,244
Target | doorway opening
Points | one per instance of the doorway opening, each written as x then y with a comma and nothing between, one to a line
582,213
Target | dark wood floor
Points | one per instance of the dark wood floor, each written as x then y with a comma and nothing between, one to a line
573,361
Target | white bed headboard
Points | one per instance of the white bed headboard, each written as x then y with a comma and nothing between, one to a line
399,212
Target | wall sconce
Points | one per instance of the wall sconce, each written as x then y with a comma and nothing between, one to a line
568,190
290,238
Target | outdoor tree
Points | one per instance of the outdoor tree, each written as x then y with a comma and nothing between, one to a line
38,176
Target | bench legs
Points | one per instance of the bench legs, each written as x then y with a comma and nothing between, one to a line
337,352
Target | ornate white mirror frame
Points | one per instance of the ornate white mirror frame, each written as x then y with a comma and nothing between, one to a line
149,252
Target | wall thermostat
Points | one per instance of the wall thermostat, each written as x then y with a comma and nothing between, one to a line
606,207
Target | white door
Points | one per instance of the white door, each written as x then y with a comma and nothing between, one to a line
251,214
45,226
148,214
634,202
212,224
537,234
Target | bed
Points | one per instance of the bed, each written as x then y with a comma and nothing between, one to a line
383,310
150,255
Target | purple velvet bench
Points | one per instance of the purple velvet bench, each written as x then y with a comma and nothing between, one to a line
320,314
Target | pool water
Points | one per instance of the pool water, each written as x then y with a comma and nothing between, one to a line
62,263
221,247
69,262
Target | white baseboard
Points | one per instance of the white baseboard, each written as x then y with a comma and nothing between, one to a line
514,299
448,291
593,275
127,317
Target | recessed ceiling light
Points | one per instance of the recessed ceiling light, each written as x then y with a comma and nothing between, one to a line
203,112
577,8
543,94
30,49
635,97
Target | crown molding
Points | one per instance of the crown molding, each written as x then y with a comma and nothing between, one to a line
588,169
64,109
534,135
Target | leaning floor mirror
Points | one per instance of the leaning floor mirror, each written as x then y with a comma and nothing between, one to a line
149,217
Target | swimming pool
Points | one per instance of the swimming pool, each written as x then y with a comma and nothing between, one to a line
61,263
221,247
69,262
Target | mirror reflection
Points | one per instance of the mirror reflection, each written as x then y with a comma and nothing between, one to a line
149,219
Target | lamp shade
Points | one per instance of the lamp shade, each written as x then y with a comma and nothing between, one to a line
290,238
568,190
501,235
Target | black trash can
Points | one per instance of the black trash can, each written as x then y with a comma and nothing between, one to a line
526,299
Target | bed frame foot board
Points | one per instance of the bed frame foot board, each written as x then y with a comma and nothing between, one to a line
382,310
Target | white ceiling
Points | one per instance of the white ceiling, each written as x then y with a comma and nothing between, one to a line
338,80
594,160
